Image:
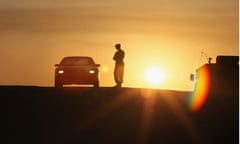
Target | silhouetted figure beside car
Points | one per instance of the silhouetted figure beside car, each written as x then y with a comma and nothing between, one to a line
119,65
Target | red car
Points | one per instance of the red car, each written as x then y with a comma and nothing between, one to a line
76,70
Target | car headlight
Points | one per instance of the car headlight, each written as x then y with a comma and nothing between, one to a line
60,71
92,71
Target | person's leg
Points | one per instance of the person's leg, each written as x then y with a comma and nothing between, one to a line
117,76
121,73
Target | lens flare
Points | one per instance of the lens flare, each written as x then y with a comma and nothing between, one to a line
200,94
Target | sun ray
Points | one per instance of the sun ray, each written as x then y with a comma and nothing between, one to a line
148,111
176,107
103,111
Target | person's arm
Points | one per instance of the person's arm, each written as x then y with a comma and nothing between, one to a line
114,57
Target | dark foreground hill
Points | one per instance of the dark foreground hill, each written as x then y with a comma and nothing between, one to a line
44,115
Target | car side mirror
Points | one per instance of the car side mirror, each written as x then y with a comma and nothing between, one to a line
97,65
192,77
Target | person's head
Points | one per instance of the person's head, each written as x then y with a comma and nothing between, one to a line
118,46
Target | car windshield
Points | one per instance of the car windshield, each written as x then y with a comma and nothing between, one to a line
77,61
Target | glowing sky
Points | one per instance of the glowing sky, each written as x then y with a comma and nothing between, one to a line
170,34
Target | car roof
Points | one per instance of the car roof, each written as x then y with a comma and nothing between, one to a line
77,60
77,57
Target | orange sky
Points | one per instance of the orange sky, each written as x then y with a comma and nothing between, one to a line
170,34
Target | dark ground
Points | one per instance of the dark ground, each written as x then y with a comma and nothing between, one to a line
45,115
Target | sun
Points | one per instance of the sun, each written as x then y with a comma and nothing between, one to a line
154,76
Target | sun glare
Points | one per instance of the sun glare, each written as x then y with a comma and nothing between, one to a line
154,76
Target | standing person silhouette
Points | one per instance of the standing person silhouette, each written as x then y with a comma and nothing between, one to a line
119,65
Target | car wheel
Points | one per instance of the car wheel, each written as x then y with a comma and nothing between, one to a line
58,84
96,84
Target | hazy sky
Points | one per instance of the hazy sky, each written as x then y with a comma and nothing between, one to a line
170,34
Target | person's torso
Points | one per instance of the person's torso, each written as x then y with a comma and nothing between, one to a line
119,56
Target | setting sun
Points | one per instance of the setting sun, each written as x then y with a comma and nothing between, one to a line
154,76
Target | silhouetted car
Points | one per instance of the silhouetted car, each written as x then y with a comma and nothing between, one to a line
221,77
76,70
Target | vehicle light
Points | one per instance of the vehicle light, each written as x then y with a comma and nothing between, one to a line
91,71
60,71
